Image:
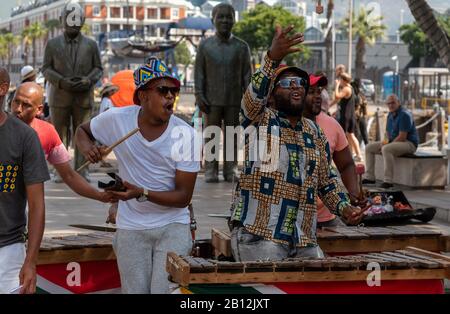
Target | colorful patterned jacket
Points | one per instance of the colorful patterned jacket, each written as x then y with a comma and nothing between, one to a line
277,192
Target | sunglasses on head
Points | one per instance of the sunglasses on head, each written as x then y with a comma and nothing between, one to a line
288,82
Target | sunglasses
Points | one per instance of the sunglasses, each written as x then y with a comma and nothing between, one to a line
164,90
288,82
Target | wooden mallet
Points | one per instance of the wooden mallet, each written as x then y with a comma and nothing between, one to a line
360,171
110,148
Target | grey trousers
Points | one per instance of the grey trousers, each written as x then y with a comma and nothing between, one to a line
389,152
142,254
249,247
62,119
230,117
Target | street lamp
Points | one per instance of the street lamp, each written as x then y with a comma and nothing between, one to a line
395,88
350,39
395,58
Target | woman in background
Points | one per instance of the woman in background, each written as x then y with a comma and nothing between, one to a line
347,119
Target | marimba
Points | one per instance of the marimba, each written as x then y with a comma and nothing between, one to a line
362,239
95,246
83,263
408,264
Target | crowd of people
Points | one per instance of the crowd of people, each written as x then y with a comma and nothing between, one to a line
309,180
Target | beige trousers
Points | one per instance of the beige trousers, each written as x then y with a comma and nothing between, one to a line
389,152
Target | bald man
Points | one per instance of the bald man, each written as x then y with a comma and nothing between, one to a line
402,139
26,105
23,171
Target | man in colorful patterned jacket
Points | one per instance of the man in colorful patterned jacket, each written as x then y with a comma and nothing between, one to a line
274,214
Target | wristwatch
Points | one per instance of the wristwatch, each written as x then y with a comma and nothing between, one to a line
143,197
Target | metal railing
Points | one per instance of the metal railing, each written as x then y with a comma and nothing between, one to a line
438,121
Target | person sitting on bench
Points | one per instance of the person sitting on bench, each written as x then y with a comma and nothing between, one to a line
401,139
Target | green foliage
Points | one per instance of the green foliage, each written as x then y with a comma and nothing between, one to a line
182,54
257,28
52,24
7,43
86,30
365,27
418,44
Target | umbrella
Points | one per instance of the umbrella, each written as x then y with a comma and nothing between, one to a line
194,22
124,97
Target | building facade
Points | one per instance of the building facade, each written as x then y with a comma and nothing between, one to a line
103,18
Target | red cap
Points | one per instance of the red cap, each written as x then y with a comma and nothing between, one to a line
319,80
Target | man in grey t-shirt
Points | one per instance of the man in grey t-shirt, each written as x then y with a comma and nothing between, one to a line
23,171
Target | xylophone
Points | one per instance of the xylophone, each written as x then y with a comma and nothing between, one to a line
83,263
96,246
408,264
362,239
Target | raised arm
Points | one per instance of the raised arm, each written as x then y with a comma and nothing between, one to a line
257,93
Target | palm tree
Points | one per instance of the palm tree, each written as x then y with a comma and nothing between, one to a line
329,41
26,42
35,32
11,41
429,25
86,30
367,29
3,49
51,26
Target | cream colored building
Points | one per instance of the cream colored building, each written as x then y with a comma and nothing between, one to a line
103,16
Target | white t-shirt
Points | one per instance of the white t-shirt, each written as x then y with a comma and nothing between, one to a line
151,165
105,105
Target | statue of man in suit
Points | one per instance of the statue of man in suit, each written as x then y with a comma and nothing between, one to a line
222,74
72,66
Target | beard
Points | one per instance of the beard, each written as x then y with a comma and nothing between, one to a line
285,105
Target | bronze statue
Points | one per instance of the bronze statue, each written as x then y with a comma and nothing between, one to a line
222,74
72,66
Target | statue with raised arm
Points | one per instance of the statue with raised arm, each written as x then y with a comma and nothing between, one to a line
72,66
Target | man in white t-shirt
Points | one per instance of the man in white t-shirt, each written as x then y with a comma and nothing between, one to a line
159,169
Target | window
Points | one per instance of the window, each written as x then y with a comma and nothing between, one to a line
152,13
175,13
114,12
96,28
165,13
96,10
114,27
128,12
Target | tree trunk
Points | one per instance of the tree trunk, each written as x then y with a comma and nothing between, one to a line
329,43
26,53
359,60
9,58
429,25
34,53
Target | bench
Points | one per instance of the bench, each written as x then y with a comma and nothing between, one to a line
423,169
